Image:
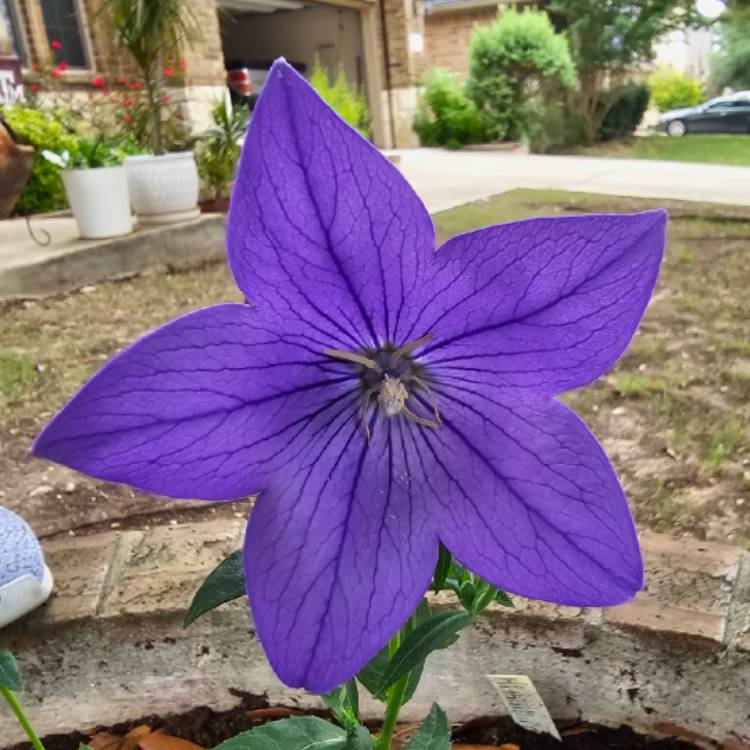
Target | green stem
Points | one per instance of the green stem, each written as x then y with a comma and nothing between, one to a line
397,692
22,720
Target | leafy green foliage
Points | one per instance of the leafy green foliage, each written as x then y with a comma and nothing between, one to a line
344,702
90,153
219,150
626,113
223,584
436,632
41,129
299,733
514,64
434,734
346,101
10,677
670,89
358,738
446,116
731,64
606,39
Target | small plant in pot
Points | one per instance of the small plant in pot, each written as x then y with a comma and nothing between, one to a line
219,151
96,187
163,186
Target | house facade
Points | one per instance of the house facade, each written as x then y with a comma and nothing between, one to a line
384,46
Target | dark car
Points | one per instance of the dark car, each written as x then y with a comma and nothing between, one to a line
725,114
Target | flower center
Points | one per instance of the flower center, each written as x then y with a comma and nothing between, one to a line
389,375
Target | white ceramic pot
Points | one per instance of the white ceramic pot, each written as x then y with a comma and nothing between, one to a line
99,200
164,188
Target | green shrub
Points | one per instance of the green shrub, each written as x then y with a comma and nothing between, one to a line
670,90
626,112
515,64
346,101
218,151
446,117
41,129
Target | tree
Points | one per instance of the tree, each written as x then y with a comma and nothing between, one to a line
731,65
513,63
607,38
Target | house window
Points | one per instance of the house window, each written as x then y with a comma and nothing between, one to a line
63,24
12,26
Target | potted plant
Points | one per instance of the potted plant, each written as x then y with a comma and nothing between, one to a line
163,186
219,151
96,187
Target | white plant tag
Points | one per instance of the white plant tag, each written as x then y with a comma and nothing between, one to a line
524,704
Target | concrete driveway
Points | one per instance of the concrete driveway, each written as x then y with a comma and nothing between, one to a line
448,178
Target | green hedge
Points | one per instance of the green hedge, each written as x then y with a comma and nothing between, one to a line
446,117
42,130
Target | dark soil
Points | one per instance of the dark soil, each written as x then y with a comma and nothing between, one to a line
208,728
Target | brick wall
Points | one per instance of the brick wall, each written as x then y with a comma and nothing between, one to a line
448,34
205,60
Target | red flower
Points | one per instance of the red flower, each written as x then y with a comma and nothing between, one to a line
36,68
169,71
55,45
164,99
126,117
105,92
135,86
98,82
127,102
56,74
62,65
35,87
121,81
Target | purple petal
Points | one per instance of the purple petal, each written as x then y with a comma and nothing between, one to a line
207,407
543,305
322,228
339,552
529,500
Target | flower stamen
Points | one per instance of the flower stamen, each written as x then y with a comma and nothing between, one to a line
387,372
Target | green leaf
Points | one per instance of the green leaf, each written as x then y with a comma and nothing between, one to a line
352,698
503,599
84,746
442,569
358,738
223,584
466,594
299,733
428,636
422,614
10,677
434,734
371,675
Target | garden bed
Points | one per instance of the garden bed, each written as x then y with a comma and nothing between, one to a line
673,413
208,728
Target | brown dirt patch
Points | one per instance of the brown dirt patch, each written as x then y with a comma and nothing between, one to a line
673,414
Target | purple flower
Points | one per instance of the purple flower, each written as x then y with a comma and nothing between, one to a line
380,395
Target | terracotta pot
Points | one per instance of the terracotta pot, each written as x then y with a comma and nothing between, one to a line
15,167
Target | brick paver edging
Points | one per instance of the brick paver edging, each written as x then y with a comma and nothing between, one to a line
109,646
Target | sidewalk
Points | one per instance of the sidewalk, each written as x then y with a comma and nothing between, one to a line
449,178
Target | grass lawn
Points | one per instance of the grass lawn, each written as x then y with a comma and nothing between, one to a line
673,414
712,149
